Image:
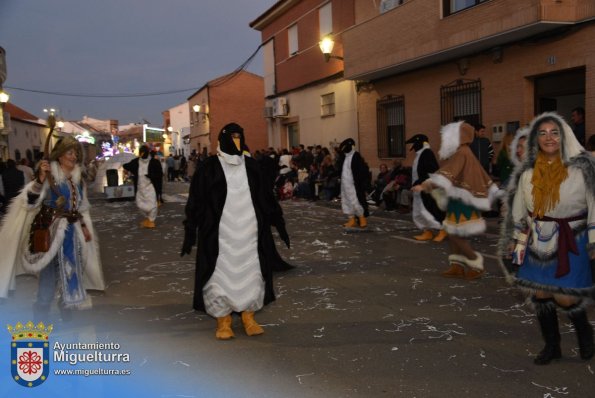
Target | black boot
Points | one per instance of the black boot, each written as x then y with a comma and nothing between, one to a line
65,313
584,332
548,321
40,312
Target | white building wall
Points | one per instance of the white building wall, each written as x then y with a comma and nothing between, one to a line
24,136
179,118
305,109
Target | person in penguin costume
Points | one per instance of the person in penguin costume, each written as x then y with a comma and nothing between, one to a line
229,214
426,214
355,176
463,190
147,175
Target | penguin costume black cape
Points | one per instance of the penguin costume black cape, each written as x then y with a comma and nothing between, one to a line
229,215
426,214
355,181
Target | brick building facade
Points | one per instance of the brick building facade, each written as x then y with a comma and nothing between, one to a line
236,97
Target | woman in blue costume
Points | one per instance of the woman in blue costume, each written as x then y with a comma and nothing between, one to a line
60,203
549,231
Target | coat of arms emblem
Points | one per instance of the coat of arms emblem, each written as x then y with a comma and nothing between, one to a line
29,353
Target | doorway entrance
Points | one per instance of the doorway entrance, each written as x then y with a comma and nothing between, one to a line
560,92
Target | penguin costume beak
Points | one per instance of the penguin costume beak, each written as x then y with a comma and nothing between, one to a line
231,139
418,141
237,142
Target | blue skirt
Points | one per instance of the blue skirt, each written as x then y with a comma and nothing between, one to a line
540,275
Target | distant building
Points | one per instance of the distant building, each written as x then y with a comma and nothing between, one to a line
235,97
178,140
308,101
23,135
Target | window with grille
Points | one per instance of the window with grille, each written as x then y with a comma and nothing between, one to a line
461,100
327,104
453,6
390,115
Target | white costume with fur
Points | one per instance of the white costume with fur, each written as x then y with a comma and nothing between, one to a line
16,257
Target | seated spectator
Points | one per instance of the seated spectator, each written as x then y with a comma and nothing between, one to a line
286,181
382,180
396,193
328,180
306,189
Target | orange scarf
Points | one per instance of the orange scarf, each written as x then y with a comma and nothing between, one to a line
546,180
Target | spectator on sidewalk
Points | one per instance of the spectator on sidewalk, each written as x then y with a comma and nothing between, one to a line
27,171
381,181
13,180
396,193
578,120
482,148
171,167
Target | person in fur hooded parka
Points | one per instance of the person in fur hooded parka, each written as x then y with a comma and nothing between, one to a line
463,190
549,231
72,261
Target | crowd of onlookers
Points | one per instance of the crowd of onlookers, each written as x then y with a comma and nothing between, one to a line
312,172
13,177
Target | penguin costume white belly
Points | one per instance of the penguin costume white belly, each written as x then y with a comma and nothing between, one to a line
229,213
236,284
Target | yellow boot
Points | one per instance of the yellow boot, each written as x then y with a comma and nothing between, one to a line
426,235
250,325
351,223
363,223
224,331
148,224
441,236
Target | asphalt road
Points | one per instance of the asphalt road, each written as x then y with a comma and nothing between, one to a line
363,314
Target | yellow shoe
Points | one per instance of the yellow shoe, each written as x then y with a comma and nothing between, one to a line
148,224
250,325
363,223
441,236
224,331
426,235
351,223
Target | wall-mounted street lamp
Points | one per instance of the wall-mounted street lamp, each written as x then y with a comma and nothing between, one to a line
197,111
326,46
4,97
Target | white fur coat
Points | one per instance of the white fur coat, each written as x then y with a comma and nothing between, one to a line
15,258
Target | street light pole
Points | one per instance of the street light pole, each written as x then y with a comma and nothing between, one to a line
4,97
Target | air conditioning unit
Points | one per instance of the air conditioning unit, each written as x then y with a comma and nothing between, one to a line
498,131
279,107
268,112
